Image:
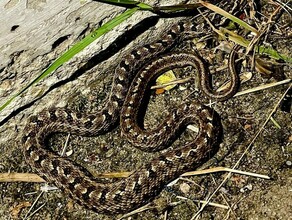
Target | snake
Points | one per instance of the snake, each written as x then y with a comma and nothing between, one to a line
131,79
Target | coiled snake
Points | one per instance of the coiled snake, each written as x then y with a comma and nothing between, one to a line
123,103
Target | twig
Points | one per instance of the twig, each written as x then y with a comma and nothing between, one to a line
204,202
262,87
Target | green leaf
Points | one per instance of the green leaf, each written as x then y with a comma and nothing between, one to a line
127,3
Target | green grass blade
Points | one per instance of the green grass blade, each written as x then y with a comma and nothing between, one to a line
75,49
127,3
232,36
275,123
120,2
273,53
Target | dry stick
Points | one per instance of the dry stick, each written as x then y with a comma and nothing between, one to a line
65,145
34,203
204,202
210,23
145,208
39,208
262,87
224,169
21,177
270,21
224,198
165,215
237,202
244,153
284,6
29,177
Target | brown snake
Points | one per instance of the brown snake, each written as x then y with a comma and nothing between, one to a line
123,103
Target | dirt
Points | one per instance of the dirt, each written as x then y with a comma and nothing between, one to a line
243,117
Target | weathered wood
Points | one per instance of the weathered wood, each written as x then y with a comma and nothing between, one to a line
35,33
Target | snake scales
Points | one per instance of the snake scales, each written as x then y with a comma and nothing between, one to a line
123,103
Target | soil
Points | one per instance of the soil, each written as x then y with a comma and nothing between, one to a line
242,117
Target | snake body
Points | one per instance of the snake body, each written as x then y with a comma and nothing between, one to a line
125,97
